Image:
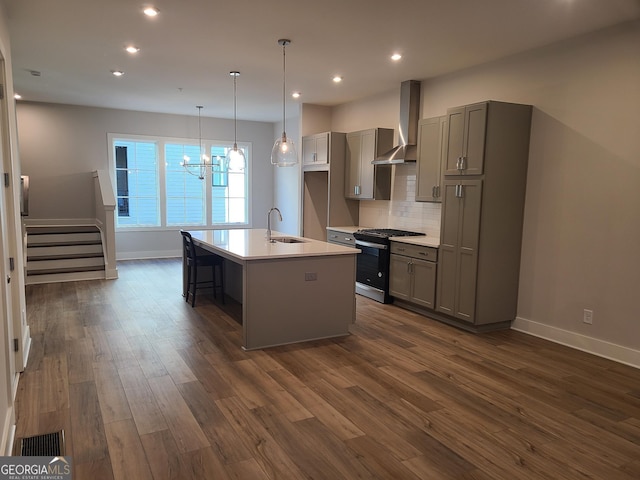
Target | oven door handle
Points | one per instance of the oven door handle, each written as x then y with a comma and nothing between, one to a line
370,244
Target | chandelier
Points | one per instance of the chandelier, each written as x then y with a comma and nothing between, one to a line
199,168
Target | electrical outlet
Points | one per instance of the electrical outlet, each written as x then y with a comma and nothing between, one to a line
588,316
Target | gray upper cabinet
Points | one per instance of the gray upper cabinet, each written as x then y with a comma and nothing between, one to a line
315,149
465,141
429,172
364,181
482,214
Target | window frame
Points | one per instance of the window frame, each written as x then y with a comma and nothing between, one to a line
161,142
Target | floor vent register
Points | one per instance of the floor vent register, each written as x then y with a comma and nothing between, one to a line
46,445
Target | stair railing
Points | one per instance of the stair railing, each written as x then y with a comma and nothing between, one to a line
105,219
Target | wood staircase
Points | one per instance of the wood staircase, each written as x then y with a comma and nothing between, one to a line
64,254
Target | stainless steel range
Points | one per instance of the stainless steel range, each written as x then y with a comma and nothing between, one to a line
372,270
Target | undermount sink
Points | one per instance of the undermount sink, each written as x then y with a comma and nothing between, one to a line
287,240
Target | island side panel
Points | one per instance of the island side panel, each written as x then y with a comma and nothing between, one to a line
283,304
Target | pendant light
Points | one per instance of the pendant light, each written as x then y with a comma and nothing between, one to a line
284,151
198,169
235,159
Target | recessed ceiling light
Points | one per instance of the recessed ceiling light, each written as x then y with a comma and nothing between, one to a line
337,79
132,49
296,94
395,57
17,96
117,73
151,11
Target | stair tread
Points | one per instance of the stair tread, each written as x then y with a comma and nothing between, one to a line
64,244
65,270
70,256
52,230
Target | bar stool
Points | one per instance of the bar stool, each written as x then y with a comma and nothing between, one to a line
193,261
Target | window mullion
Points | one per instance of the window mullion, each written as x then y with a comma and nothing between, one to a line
162,185
208,190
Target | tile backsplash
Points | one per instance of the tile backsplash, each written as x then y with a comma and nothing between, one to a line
402,211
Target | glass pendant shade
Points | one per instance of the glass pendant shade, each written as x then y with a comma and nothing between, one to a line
284,152
235,159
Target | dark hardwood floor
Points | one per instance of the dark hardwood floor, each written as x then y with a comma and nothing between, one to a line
147,387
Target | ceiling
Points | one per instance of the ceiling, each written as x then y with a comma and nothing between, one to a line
188,50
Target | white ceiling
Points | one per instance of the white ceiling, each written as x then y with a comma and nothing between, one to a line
188,50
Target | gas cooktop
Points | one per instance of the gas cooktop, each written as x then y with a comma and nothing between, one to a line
388,232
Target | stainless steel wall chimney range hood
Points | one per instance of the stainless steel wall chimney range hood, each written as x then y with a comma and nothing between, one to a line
407,151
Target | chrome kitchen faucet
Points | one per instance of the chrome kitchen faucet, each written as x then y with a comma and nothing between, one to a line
269,223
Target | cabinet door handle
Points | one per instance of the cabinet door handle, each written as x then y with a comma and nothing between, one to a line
463,163
438,191
434,191
401,249
459,164
459,191
315,156
409,267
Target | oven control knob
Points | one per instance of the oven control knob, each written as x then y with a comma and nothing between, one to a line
380,274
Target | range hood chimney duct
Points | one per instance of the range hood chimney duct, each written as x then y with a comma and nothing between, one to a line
407,151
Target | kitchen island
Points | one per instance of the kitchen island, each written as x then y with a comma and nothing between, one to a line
293,290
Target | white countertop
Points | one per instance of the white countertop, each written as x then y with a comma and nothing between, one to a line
251,244
425,241
347,229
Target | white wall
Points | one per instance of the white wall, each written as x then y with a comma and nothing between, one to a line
582,213
61,145
286,181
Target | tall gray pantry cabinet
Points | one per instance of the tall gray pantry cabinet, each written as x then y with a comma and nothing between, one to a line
487,148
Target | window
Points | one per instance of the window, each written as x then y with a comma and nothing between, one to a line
154,190
186,194
137,183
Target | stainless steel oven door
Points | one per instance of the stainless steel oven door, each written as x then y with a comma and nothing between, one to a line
372,270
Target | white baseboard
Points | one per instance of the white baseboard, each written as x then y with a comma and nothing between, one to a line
147,255
111,273
595,346
8,434
26,346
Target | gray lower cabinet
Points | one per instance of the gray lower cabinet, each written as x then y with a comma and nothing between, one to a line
482,214
412,274
364,181
429,172
341,238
